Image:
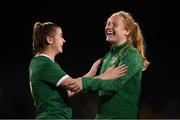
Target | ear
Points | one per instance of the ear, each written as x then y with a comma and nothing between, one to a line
127,32
49,40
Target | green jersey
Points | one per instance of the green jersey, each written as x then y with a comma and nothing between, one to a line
49,99
118,98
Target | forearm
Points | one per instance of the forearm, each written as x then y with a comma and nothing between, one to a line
134,64
97,83
101,76
90,83
74,85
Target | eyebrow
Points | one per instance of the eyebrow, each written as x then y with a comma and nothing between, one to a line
108,21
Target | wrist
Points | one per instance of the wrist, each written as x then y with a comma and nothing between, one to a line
101,76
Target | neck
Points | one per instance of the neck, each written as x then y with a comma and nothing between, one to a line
49,53
120,42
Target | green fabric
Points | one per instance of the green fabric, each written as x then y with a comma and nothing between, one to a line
50,101
118,98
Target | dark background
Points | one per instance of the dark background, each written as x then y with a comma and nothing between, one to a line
83,25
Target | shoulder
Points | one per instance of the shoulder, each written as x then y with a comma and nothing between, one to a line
41,62
131,53
132,49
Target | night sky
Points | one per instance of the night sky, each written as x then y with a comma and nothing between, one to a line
83,26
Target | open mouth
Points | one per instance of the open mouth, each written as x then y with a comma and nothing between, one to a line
110,32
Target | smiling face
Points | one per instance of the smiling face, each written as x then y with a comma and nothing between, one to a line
58,41
115,30
55,41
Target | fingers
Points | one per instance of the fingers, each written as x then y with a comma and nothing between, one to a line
73,87
77,86
119,71
110,68
122,68
116,72
70,93
122,74
98,62
77,91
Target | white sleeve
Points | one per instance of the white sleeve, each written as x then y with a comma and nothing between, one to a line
60,81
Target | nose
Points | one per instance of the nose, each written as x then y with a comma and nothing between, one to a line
109,26
64,40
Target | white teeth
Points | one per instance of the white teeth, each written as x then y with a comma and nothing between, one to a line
110,33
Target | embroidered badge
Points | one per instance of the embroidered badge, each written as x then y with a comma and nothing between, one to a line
113,60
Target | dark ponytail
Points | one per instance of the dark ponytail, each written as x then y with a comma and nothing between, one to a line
37,37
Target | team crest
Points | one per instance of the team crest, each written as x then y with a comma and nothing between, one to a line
113,60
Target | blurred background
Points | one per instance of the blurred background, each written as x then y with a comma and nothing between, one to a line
83,24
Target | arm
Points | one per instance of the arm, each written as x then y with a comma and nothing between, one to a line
75,85
72,85
54,75
133,61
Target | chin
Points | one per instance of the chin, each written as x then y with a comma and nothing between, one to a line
61,51
109,40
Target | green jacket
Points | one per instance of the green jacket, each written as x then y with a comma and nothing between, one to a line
118,98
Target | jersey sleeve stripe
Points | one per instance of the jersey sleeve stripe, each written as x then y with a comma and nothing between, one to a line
60,81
